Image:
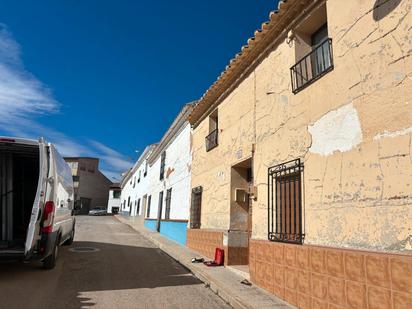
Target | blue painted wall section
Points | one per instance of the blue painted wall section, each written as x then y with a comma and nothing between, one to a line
176,231
150,224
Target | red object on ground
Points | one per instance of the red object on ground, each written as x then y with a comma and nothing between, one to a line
219,258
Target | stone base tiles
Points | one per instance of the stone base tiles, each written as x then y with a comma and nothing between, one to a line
205,242
317,277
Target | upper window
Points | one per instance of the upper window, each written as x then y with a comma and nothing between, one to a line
117,194
91,168
140,173
195,208
162,165
168,203
76,180
212,137
313,50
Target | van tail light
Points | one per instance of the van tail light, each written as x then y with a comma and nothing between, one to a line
48,217
8,140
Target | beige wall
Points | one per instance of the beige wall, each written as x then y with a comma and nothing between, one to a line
352,128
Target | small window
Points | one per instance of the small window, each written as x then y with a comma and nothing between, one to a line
162,165
159,210
285,208
168,202
212,138
140,174
313,50
116,194
145,168
128,202
138,207
91,168
195,209
149,201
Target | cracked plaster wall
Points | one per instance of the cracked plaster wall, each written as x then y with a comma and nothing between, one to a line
358,196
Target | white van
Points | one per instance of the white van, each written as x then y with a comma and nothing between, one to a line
36,201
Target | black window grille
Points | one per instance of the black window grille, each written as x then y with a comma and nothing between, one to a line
195,209
312,66
168,203
285,214
138,207
159,210
149,201
212,140
162,165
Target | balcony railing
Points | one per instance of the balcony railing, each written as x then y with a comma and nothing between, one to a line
211,140
312,66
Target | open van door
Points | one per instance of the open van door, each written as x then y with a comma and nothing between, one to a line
33,230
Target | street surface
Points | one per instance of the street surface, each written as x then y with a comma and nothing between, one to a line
126,271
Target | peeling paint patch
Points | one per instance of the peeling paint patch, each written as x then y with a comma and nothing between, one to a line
338,130
392,134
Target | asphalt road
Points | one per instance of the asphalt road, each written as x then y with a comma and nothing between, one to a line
124,271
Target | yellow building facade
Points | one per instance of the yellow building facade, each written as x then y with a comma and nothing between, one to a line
302,156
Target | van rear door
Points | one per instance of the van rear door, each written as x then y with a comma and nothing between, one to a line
33,231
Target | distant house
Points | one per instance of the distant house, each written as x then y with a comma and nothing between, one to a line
113,205
135,185
91,187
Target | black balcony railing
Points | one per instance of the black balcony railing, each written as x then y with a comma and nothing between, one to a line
211,140
313,66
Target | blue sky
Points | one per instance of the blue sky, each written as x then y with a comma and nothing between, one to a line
106,78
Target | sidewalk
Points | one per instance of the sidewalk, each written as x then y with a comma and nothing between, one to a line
221,280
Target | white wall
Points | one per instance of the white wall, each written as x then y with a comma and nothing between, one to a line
113,202
178,164
134,189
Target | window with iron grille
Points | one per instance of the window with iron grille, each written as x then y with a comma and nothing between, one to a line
159,210
195,209
285,214
138,207
162,165
168,202
149,200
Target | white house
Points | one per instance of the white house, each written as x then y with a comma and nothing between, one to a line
113,205
168,204
135,186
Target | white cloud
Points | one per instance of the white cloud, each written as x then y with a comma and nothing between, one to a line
23,97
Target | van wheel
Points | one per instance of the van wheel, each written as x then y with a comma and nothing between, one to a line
69,241
50,261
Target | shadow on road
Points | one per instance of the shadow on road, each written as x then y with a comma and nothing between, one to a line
113,267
